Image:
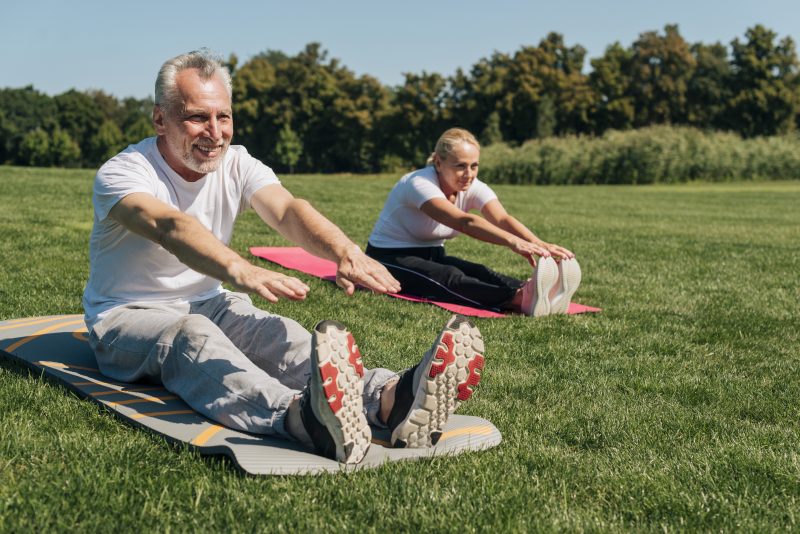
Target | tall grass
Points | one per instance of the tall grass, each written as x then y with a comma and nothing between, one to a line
660,154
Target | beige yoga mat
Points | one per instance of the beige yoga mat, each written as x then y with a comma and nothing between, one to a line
57,346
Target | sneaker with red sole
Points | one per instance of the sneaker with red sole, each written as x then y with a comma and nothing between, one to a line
428,393
331,406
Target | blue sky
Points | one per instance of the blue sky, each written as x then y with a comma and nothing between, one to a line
118,47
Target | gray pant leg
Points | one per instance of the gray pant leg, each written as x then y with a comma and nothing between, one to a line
280,346
374,380
194,359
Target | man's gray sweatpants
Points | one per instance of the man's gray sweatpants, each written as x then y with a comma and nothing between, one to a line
227,359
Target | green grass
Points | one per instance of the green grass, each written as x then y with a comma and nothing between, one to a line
674,409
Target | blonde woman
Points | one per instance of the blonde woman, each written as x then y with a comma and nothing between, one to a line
431,205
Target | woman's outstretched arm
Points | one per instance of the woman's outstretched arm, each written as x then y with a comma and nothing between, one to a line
496,214
477,227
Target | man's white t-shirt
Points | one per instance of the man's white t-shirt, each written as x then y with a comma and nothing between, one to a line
402,224
126,267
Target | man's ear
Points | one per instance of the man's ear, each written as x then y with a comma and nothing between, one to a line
158,120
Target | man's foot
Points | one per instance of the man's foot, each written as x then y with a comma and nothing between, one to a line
569,274
331,405
428,393
536,291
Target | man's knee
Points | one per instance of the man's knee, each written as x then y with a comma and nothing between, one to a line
193,324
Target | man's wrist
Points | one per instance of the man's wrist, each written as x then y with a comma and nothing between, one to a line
235,269
349,250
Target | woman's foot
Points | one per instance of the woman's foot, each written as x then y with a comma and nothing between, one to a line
569,278
536,291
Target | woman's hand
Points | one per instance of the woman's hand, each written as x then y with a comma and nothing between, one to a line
528,250
558,252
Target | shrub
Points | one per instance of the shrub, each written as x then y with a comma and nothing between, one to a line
658,154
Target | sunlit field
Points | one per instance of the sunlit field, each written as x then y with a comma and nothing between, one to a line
675,408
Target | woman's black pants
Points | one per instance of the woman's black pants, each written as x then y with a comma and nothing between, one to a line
430,273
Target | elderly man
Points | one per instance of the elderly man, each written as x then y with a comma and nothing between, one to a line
164,211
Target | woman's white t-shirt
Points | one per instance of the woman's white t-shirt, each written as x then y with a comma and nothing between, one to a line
402,224
126,267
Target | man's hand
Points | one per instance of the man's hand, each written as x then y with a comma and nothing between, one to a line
356,268
267,284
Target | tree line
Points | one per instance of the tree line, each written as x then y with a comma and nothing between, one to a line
309,113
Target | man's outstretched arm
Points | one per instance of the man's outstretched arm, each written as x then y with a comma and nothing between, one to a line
196,247
298,221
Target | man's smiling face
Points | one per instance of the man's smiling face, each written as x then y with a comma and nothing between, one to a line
194,138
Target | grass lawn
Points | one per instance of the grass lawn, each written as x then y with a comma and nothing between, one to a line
675,409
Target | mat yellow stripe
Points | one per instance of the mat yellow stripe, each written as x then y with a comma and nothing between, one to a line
141,399
483,429
33,320
98,383
59,365
206,435
112,391
14,321
41,332
17,323
157,414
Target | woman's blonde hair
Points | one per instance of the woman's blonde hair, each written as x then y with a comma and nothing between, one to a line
448,141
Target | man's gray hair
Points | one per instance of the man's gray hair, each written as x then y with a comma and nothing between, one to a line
204,60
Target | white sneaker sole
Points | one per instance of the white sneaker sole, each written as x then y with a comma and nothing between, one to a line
570,274
449,374
337,371
545,276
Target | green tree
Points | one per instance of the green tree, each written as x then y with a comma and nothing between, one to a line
708,91
551,70
330,109
107,142
491,133
141,128
24,109
610,80
545,117
764,84
289,147
34,149
80,117
472,98
255,120
662,66
417,118
64,151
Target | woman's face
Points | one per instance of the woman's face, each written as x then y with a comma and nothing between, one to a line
458,170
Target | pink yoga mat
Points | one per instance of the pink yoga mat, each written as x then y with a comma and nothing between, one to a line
297,259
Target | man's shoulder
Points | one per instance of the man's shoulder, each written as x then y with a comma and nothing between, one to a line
138,156
238,155
240,165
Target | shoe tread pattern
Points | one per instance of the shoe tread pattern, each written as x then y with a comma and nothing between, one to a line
341,371
451,376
